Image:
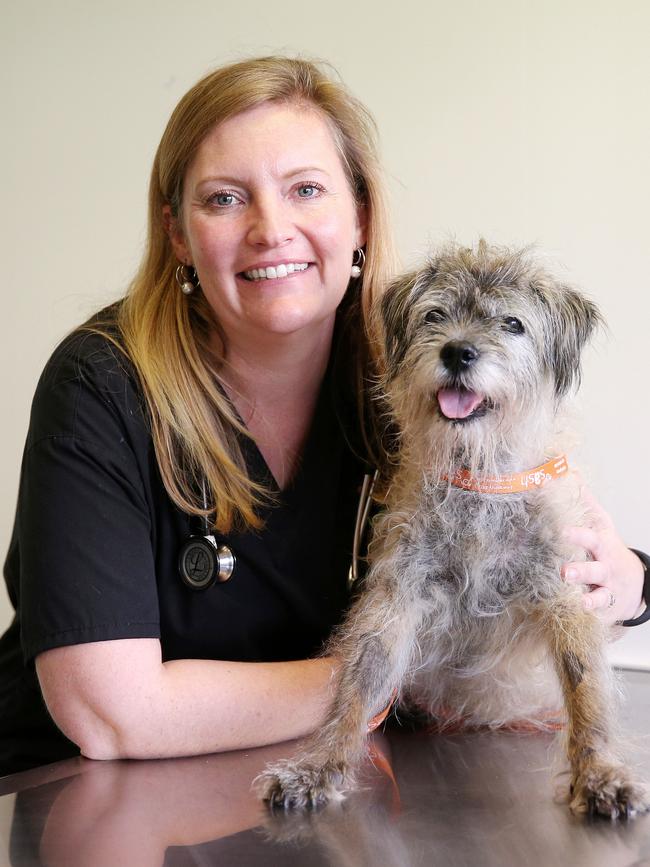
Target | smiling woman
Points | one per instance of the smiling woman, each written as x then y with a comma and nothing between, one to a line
218,401
267,192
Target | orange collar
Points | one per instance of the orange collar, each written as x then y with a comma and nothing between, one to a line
514,483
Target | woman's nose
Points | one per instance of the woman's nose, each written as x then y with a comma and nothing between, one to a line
270,223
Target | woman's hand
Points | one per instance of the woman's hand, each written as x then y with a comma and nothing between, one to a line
614,573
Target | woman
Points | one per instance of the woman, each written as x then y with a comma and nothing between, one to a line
218,387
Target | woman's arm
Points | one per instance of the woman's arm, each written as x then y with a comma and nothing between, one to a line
117,699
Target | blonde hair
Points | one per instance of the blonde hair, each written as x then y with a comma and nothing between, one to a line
169,337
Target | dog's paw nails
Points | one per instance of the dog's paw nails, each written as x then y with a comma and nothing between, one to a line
608,791
288,786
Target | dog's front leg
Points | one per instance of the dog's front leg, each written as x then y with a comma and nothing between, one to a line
600,784
374,646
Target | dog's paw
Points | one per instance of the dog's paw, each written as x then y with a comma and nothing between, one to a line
301,786
609,791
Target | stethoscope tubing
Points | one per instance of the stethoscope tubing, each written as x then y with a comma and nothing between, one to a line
363,510
202,561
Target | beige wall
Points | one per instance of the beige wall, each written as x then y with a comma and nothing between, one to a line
520,121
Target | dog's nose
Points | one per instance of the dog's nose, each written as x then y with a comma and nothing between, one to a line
458,355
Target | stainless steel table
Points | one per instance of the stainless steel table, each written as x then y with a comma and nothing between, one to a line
485,800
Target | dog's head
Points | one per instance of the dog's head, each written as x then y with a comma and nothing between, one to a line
481,342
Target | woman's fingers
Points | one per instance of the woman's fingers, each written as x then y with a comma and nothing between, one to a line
600,599
585,537
589,573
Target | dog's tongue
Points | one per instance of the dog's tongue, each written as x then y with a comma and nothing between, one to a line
458,402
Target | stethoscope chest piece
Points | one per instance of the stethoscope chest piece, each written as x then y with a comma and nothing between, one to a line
201,562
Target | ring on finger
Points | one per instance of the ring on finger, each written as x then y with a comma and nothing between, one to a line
612,600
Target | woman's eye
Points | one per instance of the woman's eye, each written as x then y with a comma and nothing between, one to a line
435,315
223,199
308,191
513,325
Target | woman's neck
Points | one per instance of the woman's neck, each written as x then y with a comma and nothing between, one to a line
287,370
274,386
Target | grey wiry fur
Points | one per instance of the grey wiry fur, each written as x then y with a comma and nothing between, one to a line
463,610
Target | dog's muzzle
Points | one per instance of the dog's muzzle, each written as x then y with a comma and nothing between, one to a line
458,403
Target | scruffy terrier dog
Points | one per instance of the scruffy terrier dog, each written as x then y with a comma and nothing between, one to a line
463,610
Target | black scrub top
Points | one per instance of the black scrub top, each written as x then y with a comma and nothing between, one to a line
96,540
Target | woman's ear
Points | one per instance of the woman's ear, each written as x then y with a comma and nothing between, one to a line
174,231
362,226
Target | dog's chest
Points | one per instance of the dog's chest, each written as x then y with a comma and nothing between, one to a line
494,547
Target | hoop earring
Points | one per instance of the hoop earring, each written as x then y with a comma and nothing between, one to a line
358,261
188,282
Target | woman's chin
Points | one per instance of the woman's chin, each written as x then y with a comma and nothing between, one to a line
284,320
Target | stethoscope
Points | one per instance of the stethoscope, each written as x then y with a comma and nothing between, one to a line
202,561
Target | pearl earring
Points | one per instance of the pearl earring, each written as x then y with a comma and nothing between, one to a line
187,282
358,261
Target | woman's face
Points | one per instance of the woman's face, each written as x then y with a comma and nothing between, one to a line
270,223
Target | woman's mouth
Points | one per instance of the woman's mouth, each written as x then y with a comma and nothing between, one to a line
273,272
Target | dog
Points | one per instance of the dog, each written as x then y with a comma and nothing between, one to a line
463,610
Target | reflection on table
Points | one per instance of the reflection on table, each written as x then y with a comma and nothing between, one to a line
483,799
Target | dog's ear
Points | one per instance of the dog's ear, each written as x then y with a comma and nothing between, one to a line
571,319
394,304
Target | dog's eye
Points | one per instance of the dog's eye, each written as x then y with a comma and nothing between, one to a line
513,325
435,315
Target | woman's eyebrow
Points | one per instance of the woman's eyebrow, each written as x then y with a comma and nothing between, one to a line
221,179
235,181
304,170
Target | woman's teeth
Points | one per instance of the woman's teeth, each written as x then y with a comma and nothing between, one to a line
279,271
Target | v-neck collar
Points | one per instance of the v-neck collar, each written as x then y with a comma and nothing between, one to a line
319,441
